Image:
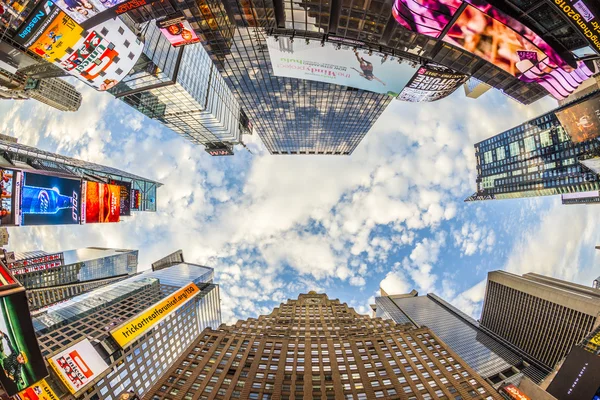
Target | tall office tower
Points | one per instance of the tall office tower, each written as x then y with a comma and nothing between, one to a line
54,92
294,115
555,153
168,261
488,357
181,88
55,277
314,347
474,88
128,333
538,315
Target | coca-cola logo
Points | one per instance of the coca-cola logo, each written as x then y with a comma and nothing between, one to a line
75,209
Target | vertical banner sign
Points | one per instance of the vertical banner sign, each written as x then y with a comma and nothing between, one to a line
20,356
177,30
431,84
137,326
136,199
125,196
102,202
39,391
78,365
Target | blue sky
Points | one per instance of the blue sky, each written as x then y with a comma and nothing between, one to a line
391,214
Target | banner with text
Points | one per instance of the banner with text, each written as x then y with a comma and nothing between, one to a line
431,84
39,391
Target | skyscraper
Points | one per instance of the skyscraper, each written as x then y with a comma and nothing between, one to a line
554,153
100,320
540,316
490,358
54,92
55,277
181,88
314,347
300,116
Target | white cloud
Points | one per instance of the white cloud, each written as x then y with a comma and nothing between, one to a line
395,283
474,238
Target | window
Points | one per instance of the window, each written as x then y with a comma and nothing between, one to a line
529,143
487,156
514,149
500,153
546,139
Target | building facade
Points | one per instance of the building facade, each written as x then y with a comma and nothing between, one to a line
537,158
317,348
54,92
181,88
489,357
94,314
539,316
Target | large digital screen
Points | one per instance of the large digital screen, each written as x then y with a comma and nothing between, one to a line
20,356
344,66
10,184
177,30
78,365
125,197
136,199
581,121
497,38
38,391
578,376
90,13
585,15
39,19
431,84
102,202
50,200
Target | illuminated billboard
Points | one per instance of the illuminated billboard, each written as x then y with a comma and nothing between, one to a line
136,199
219,151
102,202
50,200
78,365
20,356
10,184
497,38
90,13
430,84
585,16
577,378
138,325
513,392
38,391
177,30
581,121
347,67
125,196
39,19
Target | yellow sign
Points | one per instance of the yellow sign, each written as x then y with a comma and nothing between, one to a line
595,339
61,35
130,330
38,391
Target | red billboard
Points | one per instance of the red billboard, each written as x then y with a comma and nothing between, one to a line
102,202
177,30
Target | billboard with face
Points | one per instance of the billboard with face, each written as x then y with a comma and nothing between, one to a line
50,200
581,121
177,30
496,37
102,202
431,84
78,365
347,67
125,196
10,184
20,356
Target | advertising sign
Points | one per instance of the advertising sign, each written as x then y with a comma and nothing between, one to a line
20,356
137,326
39,19
10,184
12,59
90,13
221,151
578,377
39,391
125,208
177,30
6,278
50,200
136,199
514,393
581,121
102,202
431,84
345,66
60,35
78,365
497,38
585,15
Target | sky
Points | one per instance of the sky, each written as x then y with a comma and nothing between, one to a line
390,215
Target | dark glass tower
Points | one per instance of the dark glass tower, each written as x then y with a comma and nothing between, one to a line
539,157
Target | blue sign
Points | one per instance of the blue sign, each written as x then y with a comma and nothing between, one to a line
50,200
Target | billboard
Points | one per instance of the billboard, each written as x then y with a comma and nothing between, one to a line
348,67
10,184
177,30
581,121
12,59
136,199
39,19
497,38
578,376
219,151
7,280
125,197
431,84
20,356
50,200
78,365
585,15
513,392
129,331
38,391
102,202
90,13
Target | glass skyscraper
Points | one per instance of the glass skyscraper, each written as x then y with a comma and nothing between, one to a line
540,157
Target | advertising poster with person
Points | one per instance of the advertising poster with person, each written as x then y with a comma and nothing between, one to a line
50,200
177,30
346,66
102,202
581,121
20,356
60,35
10,185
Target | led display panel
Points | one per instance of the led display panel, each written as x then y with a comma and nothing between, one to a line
177,30
581,121
50,200
430,84
102,202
